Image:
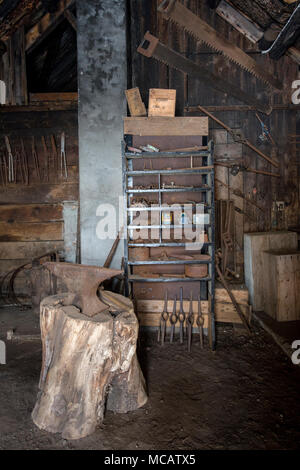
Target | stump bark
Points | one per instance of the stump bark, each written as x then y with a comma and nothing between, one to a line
89,364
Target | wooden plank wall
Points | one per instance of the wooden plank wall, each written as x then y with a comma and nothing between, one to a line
31,216
148,73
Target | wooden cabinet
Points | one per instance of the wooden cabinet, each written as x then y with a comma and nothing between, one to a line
282,284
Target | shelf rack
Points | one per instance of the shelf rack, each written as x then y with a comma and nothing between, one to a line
207,189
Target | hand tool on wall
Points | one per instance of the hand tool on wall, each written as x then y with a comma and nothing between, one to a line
239,193
181,316
173,320
179,14
151,47
46,158
233,299
63,160
35,158
163,321
200,322
243,140
2,170
265,135
24,162
11,171
54,154
236,168
113,250
190,323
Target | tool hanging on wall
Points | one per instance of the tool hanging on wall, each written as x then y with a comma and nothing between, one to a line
173,320
24,162
179,14
11,171
63,160
54,154
236,138
200,322
239,193
190,323
151,47
163,322
46,158
3,170
35,158
265,133
236,168
181,317
233,299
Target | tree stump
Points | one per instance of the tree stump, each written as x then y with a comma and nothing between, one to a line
89,364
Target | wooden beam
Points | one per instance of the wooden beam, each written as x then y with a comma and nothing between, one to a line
158,126
40,97
46,24
241,108
71,19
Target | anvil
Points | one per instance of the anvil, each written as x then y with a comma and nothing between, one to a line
83,280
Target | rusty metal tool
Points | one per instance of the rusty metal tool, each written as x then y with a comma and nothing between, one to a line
233,299
54,153
35,158
83,281
113,250
200,322
243,140
181,317
46,157
152,47
11,171
173,320
240,194
163,321
63,159
190,323
24,162
179,14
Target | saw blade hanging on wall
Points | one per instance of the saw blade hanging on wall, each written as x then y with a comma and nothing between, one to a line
151,47
203,32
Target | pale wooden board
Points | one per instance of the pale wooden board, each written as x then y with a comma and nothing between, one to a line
31,212
25,250
281,287
171,126
223,313
162,102
254,246
31,231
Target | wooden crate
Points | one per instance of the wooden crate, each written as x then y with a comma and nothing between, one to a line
161,102
135,103
282,284
254,246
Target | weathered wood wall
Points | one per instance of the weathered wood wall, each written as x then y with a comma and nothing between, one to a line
31,215
148,73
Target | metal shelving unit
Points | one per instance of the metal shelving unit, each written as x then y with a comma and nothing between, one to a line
207,189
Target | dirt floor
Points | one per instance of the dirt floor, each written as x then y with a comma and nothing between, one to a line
243,396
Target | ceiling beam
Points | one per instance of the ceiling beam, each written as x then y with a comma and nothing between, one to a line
71,19
49,21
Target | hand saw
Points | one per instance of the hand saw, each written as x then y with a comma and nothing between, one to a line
202,31
151,47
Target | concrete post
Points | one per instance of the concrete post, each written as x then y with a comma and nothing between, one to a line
102,78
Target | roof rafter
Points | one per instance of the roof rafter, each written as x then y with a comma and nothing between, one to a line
49,21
